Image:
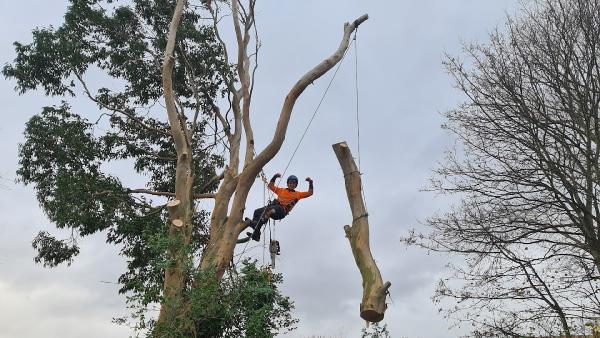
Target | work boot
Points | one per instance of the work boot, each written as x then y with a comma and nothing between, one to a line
254,235
249,223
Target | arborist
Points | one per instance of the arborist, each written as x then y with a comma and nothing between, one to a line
281,206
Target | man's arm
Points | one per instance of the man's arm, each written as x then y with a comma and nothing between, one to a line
271,184
310,187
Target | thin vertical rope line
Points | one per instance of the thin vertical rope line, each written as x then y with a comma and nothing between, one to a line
356,89
316,110
261,216
357,113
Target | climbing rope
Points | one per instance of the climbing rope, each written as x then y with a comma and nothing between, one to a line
262,214
356,90
241,255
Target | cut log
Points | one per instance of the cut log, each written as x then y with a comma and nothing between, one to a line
372,307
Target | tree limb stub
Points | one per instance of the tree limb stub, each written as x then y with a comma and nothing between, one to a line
174,213
372,307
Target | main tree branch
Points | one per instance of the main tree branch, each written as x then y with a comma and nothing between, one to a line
177,129
167,194
284,117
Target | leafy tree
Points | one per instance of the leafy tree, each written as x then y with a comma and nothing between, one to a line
150,51
528,225
246,304
375,330
65,155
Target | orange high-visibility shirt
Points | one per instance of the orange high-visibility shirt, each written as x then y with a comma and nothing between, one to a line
288,198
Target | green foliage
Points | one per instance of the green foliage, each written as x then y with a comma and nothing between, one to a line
66,154
52,251
375,331
62,158
127,43
262,310
246,304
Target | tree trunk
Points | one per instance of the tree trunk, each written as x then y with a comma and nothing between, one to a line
372,307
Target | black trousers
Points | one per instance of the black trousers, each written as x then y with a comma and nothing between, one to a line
260,214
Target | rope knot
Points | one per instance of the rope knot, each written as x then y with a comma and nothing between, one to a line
366,214
352,172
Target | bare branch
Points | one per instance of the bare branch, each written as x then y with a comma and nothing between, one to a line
178,130
119,110
167,194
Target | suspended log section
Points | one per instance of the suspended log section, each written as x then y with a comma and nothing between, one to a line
372,307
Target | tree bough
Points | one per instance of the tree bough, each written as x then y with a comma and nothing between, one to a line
372,307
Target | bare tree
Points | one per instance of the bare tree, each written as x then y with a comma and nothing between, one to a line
527,173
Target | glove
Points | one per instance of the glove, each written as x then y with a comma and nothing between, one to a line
309,180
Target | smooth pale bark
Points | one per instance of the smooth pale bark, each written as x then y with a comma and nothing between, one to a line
372,307
225,229
181,208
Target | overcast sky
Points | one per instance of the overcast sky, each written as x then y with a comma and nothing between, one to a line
403,88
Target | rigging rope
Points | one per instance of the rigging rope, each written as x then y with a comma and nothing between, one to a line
316,110
357,115
356,89
264,202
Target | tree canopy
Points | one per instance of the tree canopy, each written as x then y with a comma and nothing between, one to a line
65,154
111,52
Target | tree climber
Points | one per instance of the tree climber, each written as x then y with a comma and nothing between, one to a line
279,207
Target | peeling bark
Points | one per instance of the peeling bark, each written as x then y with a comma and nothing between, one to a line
372,307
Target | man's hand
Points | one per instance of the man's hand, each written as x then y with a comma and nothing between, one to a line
275,177
309,180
